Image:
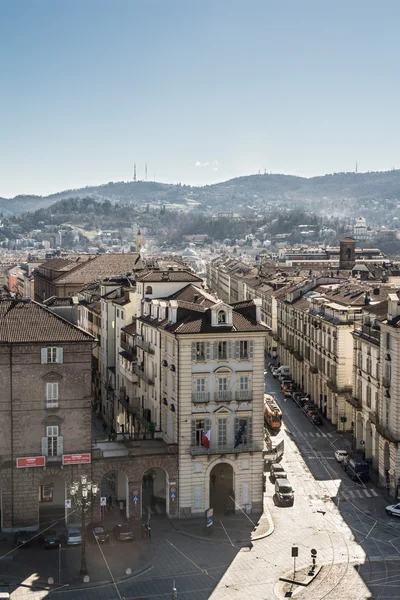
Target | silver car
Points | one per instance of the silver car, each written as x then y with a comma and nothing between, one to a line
72,535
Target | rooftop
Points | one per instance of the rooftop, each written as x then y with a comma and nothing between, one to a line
26,321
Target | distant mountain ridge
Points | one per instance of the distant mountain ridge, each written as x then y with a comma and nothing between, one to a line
336,191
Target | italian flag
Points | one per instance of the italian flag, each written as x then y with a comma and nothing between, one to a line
205,440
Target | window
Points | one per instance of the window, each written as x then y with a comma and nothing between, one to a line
201,389
359,360
246,425
46,493
369,365
199,428
377,369
149,290
359,389
244,350
122,314
200,351
368,396
222,317
52,438
222,388
51,355
244,383
222,351
222,432
51,395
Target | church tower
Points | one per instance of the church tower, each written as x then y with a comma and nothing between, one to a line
347,258
139,241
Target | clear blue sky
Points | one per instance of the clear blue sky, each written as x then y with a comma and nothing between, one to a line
87,87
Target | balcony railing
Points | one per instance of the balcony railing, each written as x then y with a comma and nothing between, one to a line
244,396
201,397
140,373
222,396
132,405
226,449
146,346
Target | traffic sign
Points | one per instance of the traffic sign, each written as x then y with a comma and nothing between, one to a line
362,443
68,503
135,496
103,501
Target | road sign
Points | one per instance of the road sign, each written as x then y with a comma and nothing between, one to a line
172,493
103,501
391,472
68,503
135,496
362,443
295,551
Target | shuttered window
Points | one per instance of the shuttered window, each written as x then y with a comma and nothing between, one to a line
52,355
52,395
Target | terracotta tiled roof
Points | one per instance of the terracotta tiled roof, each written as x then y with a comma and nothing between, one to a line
188,294
26,321
100,267
130,329
203,325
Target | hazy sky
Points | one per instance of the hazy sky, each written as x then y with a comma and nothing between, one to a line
201,90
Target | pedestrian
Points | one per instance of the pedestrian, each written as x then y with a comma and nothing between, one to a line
121,507
109,503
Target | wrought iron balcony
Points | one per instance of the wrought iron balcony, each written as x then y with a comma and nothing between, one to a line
226,449
244,396
222,396
201,397
140,373
146,346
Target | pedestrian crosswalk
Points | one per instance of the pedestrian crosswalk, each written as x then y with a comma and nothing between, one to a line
311,434
363,492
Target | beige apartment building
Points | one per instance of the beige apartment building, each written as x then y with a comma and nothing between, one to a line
205,360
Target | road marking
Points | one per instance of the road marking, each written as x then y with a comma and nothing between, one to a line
374,492
367,494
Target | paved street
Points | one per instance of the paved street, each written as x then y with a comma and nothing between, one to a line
357,544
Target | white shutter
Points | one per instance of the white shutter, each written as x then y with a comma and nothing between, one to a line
60,355
215,351
60,445
194,356
229,350
43,354
237,349
251,349
193,432
208,351
44,446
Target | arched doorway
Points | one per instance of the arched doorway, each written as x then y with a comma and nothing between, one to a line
114,487
154,492
222,488
52,495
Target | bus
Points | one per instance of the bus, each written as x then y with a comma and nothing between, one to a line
272,413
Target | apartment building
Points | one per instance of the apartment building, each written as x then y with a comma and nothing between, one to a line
205,360
376,399
45,411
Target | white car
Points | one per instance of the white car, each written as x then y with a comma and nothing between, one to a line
341,455
393,509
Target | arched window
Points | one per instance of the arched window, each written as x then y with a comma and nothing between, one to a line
149,289
222,317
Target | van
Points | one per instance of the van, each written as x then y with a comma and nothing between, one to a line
283,372
284,493
357,469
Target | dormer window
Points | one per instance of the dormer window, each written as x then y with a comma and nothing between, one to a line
149,290
222,317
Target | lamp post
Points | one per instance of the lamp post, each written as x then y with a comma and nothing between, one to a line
83,493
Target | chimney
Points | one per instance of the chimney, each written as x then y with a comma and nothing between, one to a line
173,310
258,303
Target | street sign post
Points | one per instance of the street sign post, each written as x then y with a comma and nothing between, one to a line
209,517
68,503
172,493
135,496
362,443
295,553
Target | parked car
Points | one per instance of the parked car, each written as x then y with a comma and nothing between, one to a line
23,539
341,455
393,509
284,493
49,539
71,536
124,532
316,418
277,470
296,395
98,532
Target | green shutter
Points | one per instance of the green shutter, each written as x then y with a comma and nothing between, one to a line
237,349
249,430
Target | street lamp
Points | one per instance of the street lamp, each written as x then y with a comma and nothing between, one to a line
83,493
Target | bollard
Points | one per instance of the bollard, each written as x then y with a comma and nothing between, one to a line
128,571
50,581
86,579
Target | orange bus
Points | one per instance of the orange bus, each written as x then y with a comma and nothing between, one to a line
272,413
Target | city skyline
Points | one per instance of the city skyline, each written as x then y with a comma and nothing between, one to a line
201,94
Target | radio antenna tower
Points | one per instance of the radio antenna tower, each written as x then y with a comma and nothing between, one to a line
145,172
356,166
134,171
